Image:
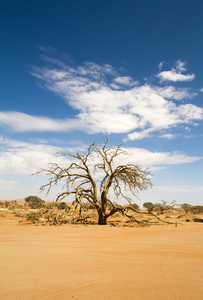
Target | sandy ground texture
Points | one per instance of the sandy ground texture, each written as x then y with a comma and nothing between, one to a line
100,262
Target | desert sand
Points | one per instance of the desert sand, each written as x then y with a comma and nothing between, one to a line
101,262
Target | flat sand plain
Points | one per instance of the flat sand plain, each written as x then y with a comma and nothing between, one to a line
101,262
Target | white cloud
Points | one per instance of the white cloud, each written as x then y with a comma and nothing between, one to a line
18,160
183,188
108,103
21,122
170,92
103,109
48,49
180,65
125,80
139,135
169,136
175,74
145,157
161,65
19,157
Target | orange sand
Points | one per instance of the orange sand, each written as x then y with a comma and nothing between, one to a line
100,262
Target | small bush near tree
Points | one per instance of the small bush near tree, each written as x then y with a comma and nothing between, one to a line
62,205
135,206
33,216
35,202
186,207
17,214
149,206
50,205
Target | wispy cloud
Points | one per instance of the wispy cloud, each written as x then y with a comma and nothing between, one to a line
126,81
107,102
175,74
169,136
148,158
139,135
47,49
21,122
182,188
19,157
161,65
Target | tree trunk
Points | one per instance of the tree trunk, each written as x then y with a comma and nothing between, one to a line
101,219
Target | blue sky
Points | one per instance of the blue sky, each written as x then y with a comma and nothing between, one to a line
74,71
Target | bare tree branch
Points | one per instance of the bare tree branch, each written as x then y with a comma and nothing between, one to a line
78,178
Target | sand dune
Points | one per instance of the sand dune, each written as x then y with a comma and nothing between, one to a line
101,262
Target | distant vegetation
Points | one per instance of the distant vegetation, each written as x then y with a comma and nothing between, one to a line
196,209
34,202
149,206
38,211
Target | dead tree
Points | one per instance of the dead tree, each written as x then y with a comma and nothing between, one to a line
80,179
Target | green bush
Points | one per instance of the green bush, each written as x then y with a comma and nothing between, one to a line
49,205
149,206
17,214
62,205
35,202
135,206
33,216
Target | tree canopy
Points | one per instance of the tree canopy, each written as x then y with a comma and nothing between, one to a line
149,206
80,179
34,202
